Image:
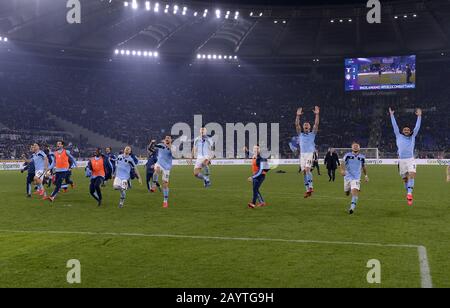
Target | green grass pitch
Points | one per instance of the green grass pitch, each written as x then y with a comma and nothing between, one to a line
111,256
384,79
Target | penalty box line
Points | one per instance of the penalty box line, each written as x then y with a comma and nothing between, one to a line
425,272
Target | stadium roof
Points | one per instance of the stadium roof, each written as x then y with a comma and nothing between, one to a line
287,30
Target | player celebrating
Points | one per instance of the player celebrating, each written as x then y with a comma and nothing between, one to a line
354,162
260,167
307,147
122,174
62,163
99,169
406,142
203,151
151,180
164,165
40,162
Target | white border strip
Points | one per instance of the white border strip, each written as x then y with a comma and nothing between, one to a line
425,272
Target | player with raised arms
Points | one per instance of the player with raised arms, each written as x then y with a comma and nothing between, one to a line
164,165
307,147
122,174
203,152
354,163
406,141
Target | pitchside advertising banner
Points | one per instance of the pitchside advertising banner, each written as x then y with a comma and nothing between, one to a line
17,165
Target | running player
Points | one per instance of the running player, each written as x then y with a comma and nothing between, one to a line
31,173
40,161
124,165
354,162
151,179
99,169
307,147
406,141
203,152
164,165
260,167
62,163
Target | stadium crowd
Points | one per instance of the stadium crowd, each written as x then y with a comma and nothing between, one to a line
133,107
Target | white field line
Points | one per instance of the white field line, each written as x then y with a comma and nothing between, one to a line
425,273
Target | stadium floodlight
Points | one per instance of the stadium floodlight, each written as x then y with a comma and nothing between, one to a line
236,15
220,57
284,21
166,10
405,16
134,5
195,14
147,5
396,17
133,52
251,14
199,56
341,20
227,15
175,9
205,13
235,57
332,21
415,15
156,54
209,57
261,14
115,51
145,54
127,52
184,10
150,54
122,52
214,57
156,8
125,4
350,20
139,53
218,13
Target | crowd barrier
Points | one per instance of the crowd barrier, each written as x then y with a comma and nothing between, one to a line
17,165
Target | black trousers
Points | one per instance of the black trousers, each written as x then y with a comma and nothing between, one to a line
149,178
96,188
316,165
257,182
60,177
332,174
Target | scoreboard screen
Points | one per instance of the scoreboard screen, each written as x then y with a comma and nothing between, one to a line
380,73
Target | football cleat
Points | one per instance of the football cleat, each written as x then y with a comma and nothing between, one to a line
51,199
410,199
165,204
262,204
251,206
351,211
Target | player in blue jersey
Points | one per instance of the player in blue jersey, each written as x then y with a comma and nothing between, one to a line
406,142
307,139
40,162
122,174
151,179
202,151
164,165
354,163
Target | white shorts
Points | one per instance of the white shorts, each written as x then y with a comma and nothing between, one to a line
199,163
39,174
407,166
306,160
349,185
165,173
120,184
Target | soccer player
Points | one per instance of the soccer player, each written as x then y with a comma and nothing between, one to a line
203,151
40,162
29,167
99,169
62,163
307,147
351,168
406,141
164,165
124,165
151,180
260,167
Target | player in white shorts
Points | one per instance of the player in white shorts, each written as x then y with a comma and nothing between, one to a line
307,147
203,152
40,160
406,142
164,165
124,164
354,163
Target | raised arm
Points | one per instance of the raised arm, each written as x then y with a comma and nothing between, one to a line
394,122
317,119
418,123
298,125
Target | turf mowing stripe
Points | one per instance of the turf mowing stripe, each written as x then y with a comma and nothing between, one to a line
425,272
